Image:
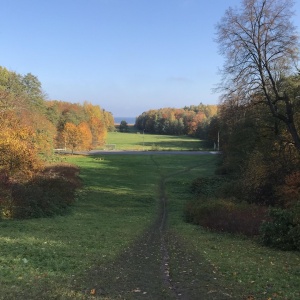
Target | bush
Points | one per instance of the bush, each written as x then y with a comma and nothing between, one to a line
283,230
226,216
47,194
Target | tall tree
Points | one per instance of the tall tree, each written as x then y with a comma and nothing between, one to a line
123,126
261,48
86,136
33,90
72,136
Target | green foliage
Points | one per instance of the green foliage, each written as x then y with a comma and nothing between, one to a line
207,186
283,230
258,153
123,126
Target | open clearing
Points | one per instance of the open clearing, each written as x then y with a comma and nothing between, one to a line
126,239
137,141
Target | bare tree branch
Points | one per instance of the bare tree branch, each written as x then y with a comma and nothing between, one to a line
261,48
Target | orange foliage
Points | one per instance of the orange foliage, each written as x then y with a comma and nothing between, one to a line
78,137
98,131
95,119
86,136
72,136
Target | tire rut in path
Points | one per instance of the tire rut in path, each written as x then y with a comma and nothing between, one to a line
165,263
143,270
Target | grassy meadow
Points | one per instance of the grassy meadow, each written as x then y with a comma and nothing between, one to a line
256,272
139,141
43,257
52,258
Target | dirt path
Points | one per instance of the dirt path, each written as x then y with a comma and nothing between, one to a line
156,267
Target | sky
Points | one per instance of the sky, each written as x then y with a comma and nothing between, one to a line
127,56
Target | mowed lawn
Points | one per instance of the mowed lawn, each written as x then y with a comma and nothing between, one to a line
149,142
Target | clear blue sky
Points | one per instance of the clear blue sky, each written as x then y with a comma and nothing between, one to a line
127,56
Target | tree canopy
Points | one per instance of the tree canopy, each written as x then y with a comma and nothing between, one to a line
31,126
191,120
261,48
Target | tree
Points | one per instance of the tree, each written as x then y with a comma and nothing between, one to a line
18,150
123,126
72,136
86,136
32,88
261,48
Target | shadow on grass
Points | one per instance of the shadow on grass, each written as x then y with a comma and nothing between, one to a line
186,145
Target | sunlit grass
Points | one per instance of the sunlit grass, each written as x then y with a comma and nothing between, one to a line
149,142
115,205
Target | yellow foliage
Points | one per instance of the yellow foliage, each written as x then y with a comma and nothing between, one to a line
18,151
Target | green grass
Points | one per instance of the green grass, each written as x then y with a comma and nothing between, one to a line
150,142
241,263
48,258
113,208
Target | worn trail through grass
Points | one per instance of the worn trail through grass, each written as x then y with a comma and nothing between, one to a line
156,266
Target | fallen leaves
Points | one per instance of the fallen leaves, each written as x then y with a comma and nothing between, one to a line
93,292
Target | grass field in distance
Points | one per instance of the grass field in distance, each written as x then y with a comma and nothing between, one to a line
140,141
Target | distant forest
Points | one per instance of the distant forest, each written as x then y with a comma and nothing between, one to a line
195,120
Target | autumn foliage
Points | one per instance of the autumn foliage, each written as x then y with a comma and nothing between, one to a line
30,129
192,120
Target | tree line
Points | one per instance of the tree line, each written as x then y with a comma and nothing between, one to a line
259,116
30,125
259,123
191,120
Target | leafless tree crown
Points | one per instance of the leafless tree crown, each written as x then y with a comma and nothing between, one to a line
260,45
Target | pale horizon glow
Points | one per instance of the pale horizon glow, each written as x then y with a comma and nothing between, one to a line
128,56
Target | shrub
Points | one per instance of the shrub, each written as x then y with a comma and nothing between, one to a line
226,216
283,229
50,193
